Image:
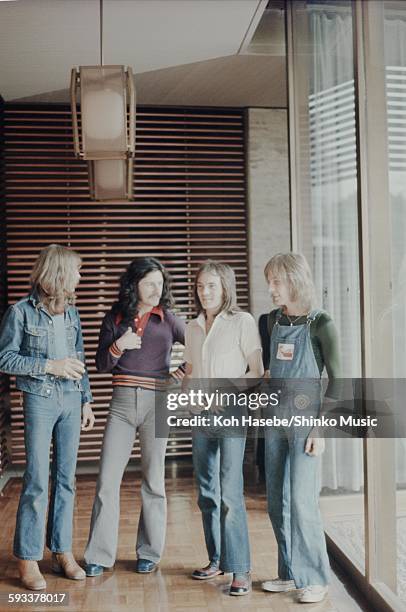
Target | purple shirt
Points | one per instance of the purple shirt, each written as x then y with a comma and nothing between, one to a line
153,358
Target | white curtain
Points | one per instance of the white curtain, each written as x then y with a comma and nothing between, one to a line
395,62
334,203
334,210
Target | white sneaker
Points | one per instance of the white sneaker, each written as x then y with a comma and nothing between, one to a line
278,586
313,593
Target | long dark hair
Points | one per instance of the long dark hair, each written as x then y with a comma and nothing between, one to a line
127,302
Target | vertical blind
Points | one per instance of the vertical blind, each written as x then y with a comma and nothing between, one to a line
189,204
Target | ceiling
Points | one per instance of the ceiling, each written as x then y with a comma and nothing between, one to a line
182,51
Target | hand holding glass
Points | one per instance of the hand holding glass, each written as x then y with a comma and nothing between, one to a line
69,367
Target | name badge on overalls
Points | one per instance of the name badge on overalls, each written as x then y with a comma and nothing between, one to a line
285,352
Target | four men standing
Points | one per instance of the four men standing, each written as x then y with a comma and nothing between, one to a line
135,345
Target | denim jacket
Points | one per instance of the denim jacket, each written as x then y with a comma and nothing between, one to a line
27,340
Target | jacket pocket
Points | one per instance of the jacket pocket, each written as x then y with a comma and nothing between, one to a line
35,339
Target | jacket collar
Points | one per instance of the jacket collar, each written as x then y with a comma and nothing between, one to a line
34,298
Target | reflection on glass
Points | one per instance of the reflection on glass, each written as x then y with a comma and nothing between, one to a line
326,47
395,69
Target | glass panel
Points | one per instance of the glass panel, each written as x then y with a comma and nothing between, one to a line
328,229
269,35
395,69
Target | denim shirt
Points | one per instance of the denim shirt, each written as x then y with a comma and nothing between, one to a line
27,340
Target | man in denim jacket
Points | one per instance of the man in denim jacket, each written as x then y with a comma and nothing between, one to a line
27,342
41,344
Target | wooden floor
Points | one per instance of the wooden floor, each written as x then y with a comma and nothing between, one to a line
170,588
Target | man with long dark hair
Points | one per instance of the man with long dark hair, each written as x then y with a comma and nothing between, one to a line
135,344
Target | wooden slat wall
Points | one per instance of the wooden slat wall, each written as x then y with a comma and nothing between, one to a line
4,416
189,204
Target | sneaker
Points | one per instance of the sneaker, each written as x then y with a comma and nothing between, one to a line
208,572
277,585
313,593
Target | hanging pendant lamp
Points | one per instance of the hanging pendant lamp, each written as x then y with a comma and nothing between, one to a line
104,134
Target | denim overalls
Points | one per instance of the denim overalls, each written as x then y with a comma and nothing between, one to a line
52,412
292,476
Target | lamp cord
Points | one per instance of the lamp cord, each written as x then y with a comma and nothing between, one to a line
101,32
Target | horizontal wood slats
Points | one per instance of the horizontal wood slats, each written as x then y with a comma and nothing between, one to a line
189,204
4,412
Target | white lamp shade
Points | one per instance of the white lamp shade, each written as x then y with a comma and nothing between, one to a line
103,111
103,108
109,179
105,132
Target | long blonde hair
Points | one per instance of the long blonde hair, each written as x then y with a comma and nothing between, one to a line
228,284
53,277
293,269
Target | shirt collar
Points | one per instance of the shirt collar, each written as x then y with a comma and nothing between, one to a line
225,315
201,319
157,310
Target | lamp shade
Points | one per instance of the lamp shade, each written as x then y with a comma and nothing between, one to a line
103,104
105,133
111,179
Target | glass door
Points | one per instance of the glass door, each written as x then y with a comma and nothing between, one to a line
347,110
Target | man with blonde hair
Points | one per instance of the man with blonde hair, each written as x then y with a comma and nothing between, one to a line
302,341
41,344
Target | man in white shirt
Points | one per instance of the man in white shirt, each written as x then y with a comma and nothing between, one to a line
222,342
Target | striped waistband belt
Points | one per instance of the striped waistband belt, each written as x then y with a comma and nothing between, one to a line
127,380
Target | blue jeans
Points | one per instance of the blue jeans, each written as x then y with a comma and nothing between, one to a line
293,486
218,466
57,418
